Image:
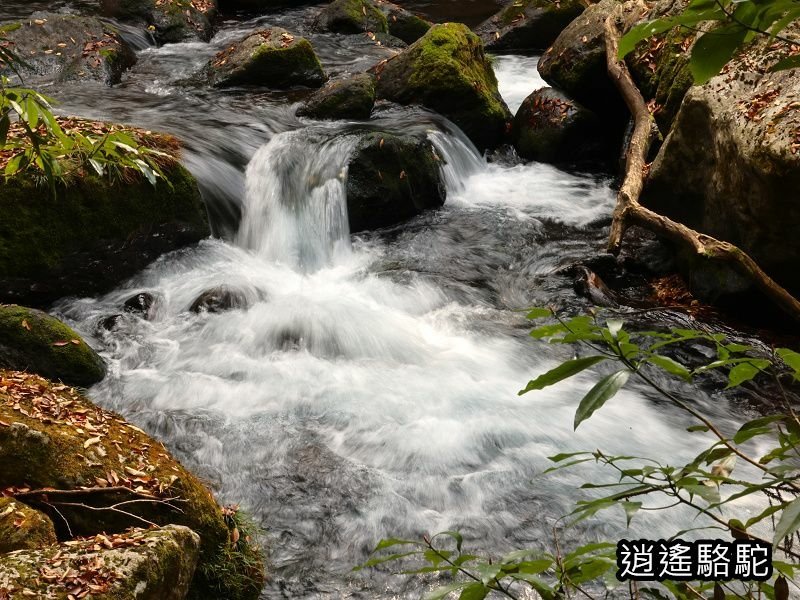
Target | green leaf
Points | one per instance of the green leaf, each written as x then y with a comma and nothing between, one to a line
540,313
603,391
546,331
790,357
5,124
789,522
487,572
566,455
670,366
714,49
745,371
455,535
615,326
563,371
390,542
792,62
475,591
695,428
441,592
630,508
379,560
755,428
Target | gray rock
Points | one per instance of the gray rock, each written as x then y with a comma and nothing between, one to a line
170,21
349,97
527,25
391,179
403,24
272,58
351,16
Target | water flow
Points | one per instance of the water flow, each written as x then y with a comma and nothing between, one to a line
295,209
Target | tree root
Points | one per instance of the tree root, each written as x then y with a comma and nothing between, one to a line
629,212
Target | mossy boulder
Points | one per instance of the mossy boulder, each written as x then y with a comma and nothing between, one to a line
351,16
392,178
447,71
170,21
551,128
52,437
93,234
527,25
403,24
69,47
31,340
349,97
272,58
138,565
257,6
23,528
576,62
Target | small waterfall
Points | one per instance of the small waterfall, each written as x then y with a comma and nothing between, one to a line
295,209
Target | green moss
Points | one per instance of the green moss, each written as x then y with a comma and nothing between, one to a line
350,98
22,527
9,27
40,451
33,340
354,16
38,232
447,70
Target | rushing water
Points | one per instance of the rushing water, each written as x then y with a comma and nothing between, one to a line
370,389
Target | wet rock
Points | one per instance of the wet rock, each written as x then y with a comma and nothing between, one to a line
110,323
350,97
258,6
403,24
219,299
93,234
576,62
170,21
588,284
34,341
59,440
351,16
391,179
137,565
527,25
730,168
446,70
551,128
68,47
144,304
23,528
271,57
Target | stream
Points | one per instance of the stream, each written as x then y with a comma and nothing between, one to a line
370,389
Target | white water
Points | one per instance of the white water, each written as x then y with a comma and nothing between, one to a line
370,389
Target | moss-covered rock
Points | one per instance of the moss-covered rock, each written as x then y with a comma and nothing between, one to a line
69,47
52,437
23,528
272,58
526,25
351,16
170,21
258,6
446,70
392,178
349,97
403,24
137,565
31,340
576,62
551,128
93,234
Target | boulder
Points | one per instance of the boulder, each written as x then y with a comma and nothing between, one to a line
272,58
403,24
447,71
23,528
349,97
351,16
137,565
68,47
219,299
94,232
730,166
31,340
527,25
144,304
58,451
257,6
551,128
392,178
170,21
576,62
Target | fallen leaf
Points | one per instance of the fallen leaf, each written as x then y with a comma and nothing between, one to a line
91,442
